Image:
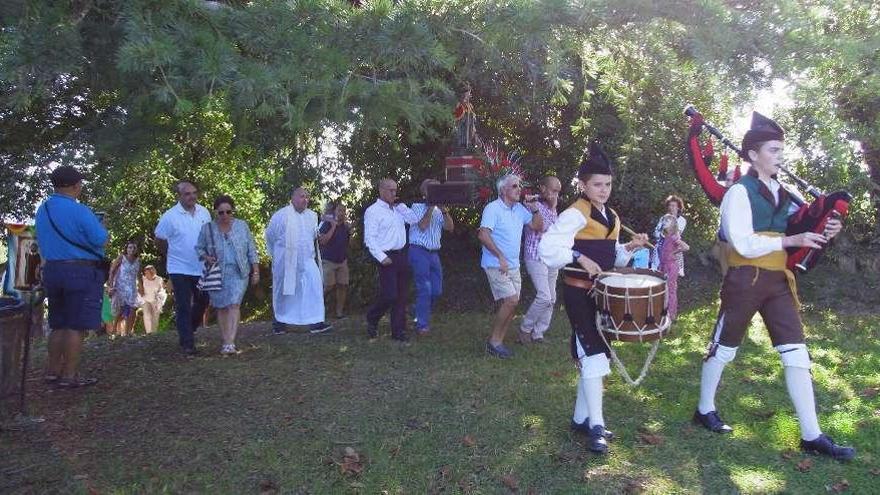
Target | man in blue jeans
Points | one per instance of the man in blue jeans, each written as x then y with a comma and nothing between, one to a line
424,255
176,235
72,241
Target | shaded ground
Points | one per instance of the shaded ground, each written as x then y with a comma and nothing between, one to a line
440,417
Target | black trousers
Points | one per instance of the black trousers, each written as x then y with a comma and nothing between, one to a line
393,291
580,307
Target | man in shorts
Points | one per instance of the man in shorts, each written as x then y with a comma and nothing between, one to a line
501,229
72,241
333,236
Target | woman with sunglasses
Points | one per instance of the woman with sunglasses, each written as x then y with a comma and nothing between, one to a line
229,242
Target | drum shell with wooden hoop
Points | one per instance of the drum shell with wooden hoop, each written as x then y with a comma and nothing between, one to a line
631,304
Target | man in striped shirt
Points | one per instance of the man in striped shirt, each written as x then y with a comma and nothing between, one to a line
424,255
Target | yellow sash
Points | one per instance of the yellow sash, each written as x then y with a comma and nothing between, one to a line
774,261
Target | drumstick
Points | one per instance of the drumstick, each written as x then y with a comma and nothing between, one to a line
632,232
573,269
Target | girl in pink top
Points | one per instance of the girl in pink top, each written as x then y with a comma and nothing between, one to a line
672,245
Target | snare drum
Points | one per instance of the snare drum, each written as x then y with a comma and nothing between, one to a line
631,304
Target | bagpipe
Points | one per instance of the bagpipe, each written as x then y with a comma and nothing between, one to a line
810,217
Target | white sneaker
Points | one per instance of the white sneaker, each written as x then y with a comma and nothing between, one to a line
227,349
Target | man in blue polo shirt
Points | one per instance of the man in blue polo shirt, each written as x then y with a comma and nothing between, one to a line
501,230
72,241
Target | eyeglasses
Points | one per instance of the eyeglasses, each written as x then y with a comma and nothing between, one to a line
515,186
224,212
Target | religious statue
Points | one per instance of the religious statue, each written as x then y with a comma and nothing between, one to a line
466,139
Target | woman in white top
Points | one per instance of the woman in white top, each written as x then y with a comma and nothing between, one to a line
154,295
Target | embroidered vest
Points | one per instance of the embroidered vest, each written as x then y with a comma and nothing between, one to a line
598,239
768,219
767,216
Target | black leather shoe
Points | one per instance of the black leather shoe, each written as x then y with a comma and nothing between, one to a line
189,351
372,330
400,338
585,429
598,442
711,421
825,445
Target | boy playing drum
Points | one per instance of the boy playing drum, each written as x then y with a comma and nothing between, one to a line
585,240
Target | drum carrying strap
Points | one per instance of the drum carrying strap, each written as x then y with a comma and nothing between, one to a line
601,323
619,364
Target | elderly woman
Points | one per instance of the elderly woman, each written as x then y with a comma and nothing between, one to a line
123,283
228,242
674,207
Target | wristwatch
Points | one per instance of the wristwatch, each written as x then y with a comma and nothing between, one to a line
575,255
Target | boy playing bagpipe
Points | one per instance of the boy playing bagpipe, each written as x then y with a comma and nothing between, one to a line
754,215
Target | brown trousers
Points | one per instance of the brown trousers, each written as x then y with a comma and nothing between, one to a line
747,290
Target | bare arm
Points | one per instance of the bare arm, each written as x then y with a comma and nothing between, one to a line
162,245
324,238
485,237
448,224
537,222
425,221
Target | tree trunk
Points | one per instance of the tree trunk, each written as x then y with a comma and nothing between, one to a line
872,159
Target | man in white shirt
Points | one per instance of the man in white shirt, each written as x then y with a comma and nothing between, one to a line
754,217
297,288
176,236
385,237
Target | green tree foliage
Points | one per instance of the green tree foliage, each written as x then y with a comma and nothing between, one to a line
244,97
834,50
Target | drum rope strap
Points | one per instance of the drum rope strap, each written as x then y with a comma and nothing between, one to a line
619,364
602,322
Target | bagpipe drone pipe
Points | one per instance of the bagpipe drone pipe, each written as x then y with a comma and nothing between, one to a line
810,217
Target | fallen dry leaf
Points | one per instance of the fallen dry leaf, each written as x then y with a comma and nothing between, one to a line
556,374
869,392
466,486
788,454
510,481
268,487
805,465
351,464
839,487
393,451
444,471
875,471
650,438
634,486
468,441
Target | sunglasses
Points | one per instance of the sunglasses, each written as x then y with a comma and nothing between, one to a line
224,212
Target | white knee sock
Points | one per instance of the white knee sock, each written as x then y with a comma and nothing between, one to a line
711,376
594,391
800,389
581,410
796,363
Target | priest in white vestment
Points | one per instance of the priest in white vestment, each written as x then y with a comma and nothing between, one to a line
297,288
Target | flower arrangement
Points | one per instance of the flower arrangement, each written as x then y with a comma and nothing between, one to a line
497,164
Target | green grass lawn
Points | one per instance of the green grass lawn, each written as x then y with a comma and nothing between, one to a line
439,416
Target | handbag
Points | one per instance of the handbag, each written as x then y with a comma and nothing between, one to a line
102,263
212,277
